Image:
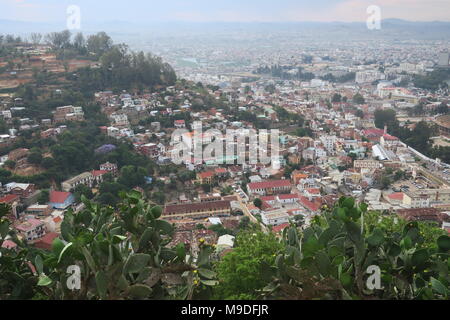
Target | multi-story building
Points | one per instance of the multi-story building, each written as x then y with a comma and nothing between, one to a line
68,113
150,150
369,76
275,217
61,200
119,120
31,229
329,142
206,177
39,210
443,123
198,210
13,200
269,187
86,178
367,164
110,167
23,190
415,200
423,214
210,197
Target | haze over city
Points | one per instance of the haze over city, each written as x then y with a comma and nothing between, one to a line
233,151
224,10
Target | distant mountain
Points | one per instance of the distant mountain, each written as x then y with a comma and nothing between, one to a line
24,27
389,28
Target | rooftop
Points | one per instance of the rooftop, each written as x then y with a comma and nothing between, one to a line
59,196
196,207
269,184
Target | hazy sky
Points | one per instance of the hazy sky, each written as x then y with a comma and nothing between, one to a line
224,10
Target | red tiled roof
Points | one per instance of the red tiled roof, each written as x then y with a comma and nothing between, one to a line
28,225
309,205
396,196
46,241
373,132
313,190
269,184
57,219
230,198
268,198
97,173
280,227
59,196
206,174
423,214
389,137
288,196
265,206
8,244
9,198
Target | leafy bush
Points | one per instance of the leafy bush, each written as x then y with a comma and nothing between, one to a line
124,253
331,258
121,253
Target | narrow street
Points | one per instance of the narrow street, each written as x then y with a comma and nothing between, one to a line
248,214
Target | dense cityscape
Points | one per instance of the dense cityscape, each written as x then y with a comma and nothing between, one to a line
360,176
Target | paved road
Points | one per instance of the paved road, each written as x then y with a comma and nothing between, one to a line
249,214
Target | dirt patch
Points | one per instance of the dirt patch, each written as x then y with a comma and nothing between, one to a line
28,171
441,142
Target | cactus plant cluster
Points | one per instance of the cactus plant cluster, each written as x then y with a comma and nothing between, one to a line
346,252
333,257
17,280
121,253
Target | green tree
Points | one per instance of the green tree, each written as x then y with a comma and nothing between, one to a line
99,43
336,98
10,164
241,272
82,190
386,117
35,158
399,174
359,113
206,188
244,223
258,203
220,229
159,197
385,182
270,88
107,199
48,162
44,197
358,99
132,176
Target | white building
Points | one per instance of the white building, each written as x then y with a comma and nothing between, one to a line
85,178
369,76
120,120
275,218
